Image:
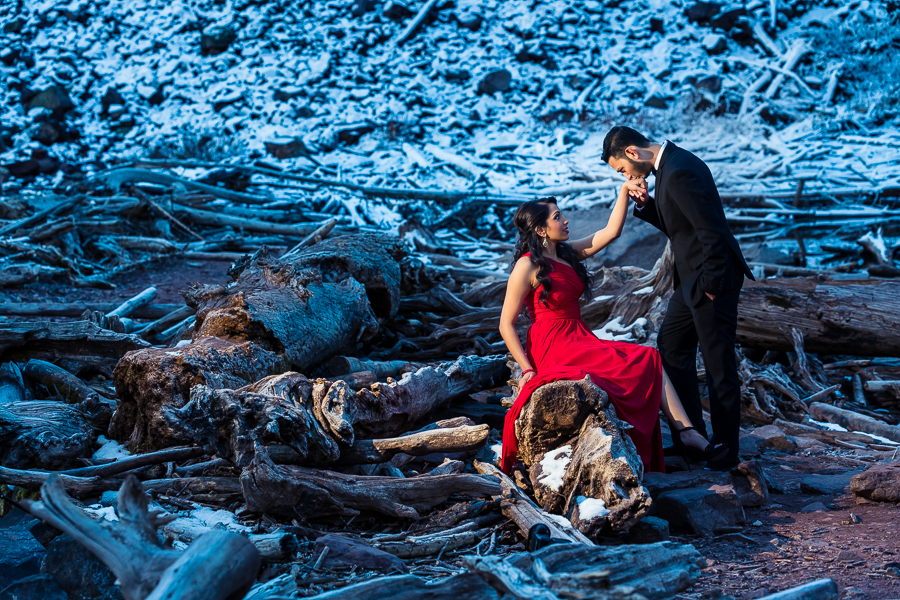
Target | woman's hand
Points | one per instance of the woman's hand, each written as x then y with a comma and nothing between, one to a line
525,377
636,190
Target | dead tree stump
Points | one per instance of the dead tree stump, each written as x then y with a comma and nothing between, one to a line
274,316
581,462
148,380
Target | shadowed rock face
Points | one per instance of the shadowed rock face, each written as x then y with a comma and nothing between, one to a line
580,460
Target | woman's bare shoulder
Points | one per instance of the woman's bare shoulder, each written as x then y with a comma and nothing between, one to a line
524,264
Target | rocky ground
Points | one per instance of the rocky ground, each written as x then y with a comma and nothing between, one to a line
813,529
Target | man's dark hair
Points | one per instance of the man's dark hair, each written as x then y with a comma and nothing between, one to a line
619,138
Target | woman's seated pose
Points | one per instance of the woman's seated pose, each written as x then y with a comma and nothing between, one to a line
549,278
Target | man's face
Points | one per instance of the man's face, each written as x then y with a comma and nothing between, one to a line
634,165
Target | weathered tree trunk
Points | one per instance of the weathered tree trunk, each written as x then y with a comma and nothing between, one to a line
80,342
655,571
220,565
634,572
580,460
43,434
854,421
274,316
82,487
79,487
387,409
230,423
282,489
288,307
320,422
148,380
835,316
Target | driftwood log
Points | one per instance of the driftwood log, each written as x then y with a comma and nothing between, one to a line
454,439
275,316
520,509
287,489
219,565
652,571
58,381
580,460
79,342
320,421
643,572
43,434
92,485
854,421
835,316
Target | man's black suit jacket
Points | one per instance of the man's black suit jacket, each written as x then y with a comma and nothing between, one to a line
687,208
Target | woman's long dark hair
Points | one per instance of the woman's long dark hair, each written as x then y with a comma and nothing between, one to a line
530,216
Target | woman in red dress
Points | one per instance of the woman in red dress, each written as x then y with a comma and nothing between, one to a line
549,278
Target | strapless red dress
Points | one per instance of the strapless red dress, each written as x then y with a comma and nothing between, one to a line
560,345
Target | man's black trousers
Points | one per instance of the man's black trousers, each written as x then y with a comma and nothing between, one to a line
712,324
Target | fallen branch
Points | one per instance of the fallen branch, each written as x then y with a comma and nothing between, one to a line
134,462
219,565
129,306
316,236
281,489
523,511
116,178
456,439
853,421
213,218
416,22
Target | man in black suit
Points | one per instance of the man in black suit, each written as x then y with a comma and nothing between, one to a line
709,273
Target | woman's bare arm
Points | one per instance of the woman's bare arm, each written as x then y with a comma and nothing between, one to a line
521,283
591,245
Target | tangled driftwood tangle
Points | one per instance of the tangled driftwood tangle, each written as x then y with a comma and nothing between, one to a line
347,384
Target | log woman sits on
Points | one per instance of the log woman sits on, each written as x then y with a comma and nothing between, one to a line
549,278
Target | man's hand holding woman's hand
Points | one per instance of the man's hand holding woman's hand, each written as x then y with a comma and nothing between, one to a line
637,190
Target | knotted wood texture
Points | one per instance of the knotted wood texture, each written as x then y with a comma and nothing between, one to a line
43,433
322,421
835,316
217,566
581,462
275,316
284,489
634,572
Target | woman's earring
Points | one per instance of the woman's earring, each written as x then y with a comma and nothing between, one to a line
545,243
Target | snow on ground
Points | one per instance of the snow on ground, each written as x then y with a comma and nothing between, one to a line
109,449
419,114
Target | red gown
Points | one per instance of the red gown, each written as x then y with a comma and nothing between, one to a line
561,346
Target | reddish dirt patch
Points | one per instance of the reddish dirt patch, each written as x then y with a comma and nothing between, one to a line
783,546
169,277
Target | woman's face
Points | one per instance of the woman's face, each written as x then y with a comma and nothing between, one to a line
557,227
